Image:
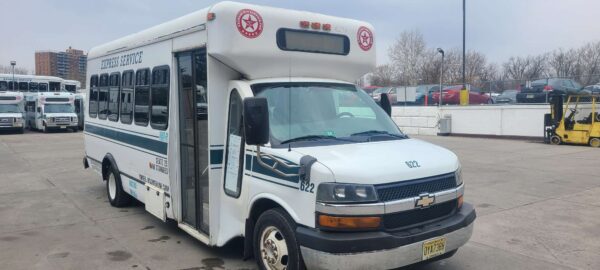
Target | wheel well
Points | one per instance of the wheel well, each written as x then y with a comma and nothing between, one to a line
258,207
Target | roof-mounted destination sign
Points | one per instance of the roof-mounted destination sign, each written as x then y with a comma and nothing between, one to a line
122,60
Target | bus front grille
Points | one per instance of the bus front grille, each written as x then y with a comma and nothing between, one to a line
413,188
407,219
6,121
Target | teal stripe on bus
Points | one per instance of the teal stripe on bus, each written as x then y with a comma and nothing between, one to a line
216,156
130,139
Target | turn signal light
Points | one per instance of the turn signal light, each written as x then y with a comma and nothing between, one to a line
315,25
327,27
304,24
460,201
349,222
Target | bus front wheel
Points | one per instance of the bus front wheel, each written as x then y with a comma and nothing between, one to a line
116,195
275,245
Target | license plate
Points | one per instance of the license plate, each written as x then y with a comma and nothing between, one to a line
63,127
434,248
530,96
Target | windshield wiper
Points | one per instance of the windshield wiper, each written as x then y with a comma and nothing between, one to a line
378,132
310,138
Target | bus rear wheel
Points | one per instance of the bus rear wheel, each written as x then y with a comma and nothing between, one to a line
275,245
595,142
114,189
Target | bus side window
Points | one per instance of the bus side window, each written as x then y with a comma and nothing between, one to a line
113,97
126,101
3,85
42,87
142,97
103,96
93,100
234,156
23,87
159,107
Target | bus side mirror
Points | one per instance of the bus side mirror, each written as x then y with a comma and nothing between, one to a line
385,104
256,121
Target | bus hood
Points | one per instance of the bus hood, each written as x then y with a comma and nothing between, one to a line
11,115
384,161
60,114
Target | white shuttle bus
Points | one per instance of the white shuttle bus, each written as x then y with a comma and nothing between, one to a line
51,111
242,121
11,111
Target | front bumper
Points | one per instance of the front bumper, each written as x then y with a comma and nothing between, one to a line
382,250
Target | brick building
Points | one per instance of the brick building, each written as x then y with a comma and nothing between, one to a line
70,64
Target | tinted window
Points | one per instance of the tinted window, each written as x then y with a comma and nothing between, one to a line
43,87
159,113
113,97
54,86
93,99
33,87
103,96
3,86
23,86
234,155
142,97
127,97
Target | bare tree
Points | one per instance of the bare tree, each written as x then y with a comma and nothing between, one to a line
384,75
407,55
563,63
9,70
589,63
525,68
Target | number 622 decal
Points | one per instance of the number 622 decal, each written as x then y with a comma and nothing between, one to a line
308,187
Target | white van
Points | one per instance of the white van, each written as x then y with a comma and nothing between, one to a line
11,111
242,120
51,111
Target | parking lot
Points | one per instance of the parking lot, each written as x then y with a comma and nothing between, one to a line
538,208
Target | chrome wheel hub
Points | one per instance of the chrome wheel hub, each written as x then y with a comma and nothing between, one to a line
273,249
112,186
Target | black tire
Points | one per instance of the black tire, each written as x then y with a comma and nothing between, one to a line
284,225
121,198
555,140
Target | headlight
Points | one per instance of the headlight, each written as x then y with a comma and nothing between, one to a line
458,176
51,119
18,120
346,193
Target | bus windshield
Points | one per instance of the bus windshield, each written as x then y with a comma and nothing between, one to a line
9,108
324,113
58,108
70,88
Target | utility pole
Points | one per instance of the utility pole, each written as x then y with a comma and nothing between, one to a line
464,54
13,64
441,75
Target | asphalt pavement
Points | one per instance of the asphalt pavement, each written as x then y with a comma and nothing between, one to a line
538,208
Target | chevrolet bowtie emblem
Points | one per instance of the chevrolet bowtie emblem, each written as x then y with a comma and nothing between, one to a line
425,200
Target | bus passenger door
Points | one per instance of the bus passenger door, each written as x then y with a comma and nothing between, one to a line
193,130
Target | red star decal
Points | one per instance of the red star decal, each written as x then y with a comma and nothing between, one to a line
249,23
365,38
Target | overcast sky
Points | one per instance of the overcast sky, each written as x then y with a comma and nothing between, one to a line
498,28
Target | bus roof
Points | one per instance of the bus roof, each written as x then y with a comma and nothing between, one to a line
20,77
256,51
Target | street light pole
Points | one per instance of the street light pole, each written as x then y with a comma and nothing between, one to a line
13,64
464,54
441,75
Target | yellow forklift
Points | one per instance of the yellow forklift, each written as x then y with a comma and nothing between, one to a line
575,121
